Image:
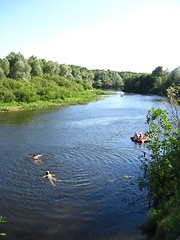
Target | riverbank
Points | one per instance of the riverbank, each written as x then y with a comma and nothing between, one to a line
80,98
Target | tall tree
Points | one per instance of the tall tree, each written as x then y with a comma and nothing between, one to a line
21,70
36,66
19,67
75,72
65,71
174,77
51,68
160,80
5,66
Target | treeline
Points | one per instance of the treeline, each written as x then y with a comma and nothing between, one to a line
30,71
15,66
38,81
155,83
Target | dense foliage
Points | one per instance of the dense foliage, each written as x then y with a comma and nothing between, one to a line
155,83
42,92
34,83
16,67
162,170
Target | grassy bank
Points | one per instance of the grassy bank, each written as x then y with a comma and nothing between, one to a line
80,98
42,93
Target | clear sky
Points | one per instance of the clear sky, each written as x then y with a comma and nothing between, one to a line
120,35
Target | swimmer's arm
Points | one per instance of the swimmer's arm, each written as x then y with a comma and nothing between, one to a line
40,155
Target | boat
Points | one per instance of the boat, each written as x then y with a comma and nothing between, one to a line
143,140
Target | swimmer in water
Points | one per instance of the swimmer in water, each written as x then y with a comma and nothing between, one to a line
51,178
36,158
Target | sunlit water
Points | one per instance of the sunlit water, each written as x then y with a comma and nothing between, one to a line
89,148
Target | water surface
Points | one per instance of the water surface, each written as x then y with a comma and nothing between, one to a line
89,148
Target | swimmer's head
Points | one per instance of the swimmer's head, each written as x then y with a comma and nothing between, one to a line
47,172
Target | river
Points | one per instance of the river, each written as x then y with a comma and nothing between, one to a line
88,147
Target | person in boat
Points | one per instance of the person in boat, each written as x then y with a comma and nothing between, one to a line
51,178
145,137
140,138
136,136
36,158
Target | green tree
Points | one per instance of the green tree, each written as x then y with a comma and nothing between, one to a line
51,68
97,83
173,77
158,72
21,70
36,66
19,67
65,71
2,75
5,66
103,76
117,81
160,80
76,73
11,59
162,170
130,84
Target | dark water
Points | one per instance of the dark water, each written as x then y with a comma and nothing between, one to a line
89,148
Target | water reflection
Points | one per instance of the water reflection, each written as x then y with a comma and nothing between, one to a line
20,117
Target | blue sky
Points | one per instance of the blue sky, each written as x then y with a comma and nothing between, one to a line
121,35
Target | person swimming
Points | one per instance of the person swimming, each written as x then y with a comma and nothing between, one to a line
36,158
51,178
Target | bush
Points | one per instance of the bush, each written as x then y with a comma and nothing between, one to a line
162,171
6,95
26,92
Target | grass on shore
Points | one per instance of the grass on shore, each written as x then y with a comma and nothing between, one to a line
81,98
